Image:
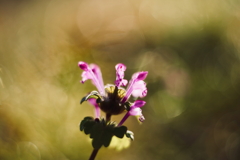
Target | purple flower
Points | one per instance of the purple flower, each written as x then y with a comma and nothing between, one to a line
134,111
136,87
120,68
113,99
92,72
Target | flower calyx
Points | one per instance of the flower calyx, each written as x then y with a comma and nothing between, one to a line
93,94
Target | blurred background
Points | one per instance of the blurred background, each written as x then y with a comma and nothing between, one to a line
191,49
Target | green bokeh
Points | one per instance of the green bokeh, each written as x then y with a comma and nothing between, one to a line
191,50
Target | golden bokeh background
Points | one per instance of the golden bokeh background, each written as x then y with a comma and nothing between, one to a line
191,49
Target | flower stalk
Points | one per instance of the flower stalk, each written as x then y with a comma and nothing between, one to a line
94,154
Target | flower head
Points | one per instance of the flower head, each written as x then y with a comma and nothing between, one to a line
113,99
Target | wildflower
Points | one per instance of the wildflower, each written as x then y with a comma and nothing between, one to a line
113,99
134,110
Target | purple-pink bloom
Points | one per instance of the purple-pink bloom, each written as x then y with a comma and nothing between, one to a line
120,69
113,96
134,110
136,86
93,102
139,89
92,72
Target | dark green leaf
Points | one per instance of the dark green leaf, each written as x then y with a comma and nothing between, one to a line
82,124
97,129
97,134
101,131
120,131
97,143
88,126
107,137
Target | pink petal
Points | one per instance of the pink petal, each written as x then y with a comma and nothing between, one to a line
136,87
139,89
135,108
141,118
135,112
120,69
124,82
97,72
138,103
92,72
140,75
85,76
93,102
83,65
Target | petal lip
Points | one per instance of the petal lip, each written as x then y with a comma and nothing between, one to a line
140,75
92,72
135,112
85,76
136,86
141,118
83,65
120,66
144,93
139,89
139,103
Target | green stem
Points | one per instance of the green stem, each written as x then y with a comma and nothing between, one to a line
94,153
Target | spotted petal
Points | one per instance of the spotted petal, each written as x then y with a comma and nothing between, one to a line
136,85
135,108
138,113
139,89
120,69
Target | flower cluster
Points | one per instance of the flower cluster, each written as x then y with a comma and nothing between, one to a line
114,99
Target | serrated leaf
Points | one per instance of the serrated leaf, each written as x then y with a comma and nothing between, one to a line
97,143
97,136
93,94
96,130
101,138
120,131
88,126
130,135
107,137
101,132
86,119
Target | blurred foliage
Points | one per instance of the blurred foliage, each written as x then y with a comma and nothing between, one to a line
190,48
